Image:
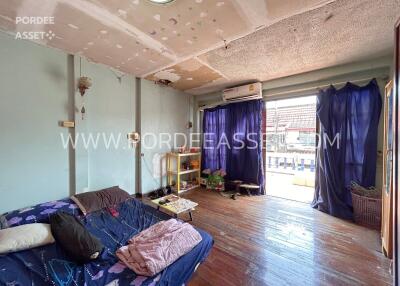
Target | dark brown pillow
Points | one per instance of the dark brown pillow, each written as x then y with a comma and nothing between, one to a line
106,198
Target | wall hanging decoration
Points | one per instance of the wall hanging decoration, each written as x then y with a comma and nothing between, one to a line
83,111
84,83
133,138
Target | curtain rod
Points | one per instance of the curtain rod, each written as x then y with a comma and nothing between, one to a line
296,92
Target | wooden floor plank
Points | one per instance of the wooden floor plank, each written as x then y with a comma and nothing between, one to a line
263,240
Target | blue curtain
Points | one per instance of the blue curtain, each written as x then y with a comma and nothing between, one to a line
351,115
232,141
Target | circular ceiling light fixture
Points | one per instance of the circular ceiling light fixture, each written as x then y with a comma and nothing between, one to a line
161,1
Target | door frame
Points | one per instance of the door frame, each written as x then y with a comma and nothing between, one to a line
311,92
396,157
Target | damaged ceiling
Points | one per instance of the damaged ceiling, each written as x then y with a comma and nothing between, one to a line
204,45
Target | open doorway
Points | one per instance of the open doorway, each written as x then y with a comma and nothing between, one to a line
290,148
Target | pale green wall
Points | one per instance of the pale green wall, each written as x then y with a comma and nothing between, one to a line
163,110
110,108
37,91
34,97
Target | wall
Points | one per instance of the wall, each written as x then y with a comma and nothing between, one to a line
34,167
37,91
163,110
110,109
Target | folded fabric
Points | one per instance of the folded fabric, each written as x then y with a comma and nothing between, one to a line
25,237
159,246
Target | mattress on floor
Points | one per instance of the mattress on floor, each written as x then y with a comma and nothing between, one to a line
48,265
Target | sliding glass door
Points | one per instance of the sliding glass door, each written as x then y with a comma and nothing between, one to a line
290,148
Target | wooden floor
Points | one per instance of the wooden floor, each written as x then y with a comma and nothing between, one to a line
271,241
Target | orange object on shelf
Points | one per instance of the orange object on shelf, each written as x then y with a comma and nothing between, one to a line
195,164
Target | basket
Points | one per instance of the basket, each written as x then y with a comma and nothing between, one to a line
367,210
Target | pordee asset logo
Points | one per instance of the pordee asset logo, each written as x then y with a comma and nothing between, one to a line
34,35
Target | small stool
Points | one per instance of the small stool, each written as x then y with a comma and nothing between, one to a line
249,188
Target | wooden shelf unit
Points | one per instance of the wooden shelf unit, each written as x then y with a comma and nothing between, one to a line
178,172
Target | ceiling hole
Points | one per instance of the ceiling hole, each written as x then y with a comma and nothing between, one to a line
330,16
173,21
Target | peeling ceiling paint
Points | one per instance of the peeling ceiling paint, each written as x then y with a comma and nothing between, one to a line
185,41
187,75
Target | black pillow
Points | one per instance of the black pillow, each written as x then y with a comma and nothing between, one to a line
73,237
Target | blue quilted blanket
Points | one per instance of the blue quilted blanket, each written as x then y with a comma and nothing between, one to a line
49,265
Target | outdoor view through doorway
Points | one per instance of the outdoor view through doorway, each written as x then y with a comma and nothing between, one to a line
290,145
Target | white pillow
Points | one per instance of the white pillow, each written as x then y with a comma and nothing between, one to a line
24,237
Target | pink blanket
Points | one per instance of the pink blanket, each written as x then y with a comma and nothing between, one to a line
157,247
